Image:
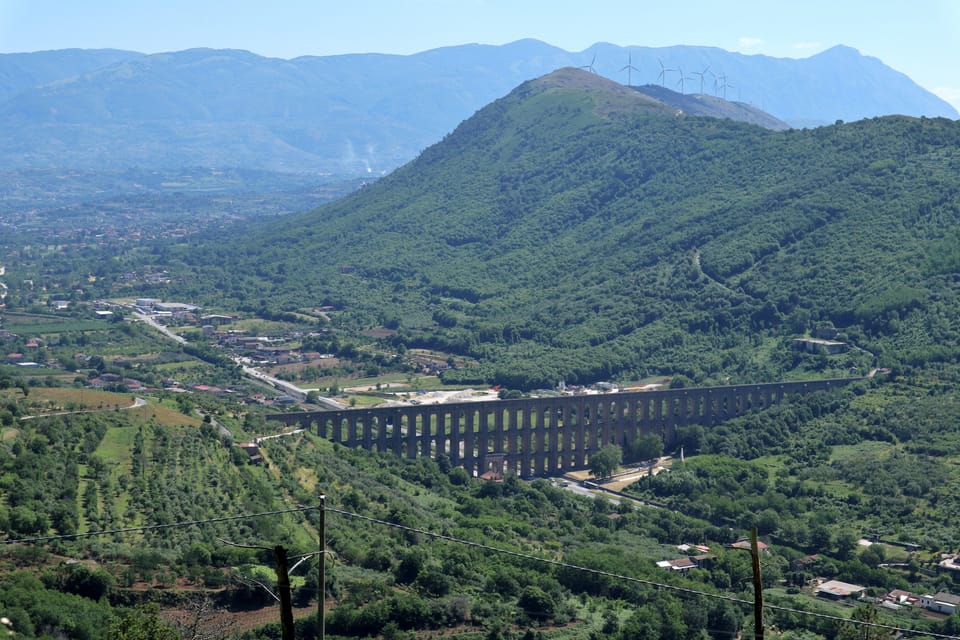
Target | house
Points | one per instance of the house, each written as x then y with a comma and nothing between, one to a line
206,388
217,319
835,590
901,597
253,450
174,307
950,562
683,565
745,544
941,602
818,345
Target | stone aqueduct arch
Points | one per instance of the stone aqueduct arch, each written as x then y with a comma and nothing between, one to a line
543,436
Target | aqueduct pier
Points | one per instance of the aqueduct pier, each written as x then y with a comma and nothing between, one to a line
542,436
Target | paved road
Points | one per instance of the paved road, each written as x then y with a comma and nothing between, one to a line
282,385
159,327
279,435
222,430
137,403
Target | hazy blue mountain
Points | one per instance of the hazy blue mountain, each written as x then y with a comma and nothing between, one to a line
24,71
373,112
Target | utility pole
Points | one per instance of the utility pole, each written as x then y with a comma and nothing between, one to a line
757,587
322,595
283,587
283,584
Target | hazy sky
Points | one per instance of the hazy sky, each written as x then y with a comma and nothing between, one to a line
918,37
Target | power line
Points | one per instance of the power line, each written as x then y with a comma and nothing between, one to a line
153,527
652,583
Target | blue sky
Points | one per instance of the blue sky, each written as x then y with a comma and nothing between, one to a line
920,38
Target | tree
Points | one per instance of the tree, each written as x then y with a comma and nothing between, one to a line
604,462
142,623
853,631
846,544
647,447
537,603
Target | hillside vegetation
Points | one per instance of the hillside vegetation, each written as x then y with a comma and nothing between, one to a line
573,230
576,231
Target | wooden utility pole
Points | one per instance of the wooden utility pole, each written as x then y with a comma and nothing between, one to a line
283,586
757,586
322,589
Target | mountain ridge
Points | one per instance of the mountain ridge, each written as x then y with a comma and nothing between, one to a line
550,239
369,113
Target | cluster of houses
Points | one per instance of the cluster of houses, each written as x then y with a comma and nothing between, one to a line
698,557
940,602
172,310
25,359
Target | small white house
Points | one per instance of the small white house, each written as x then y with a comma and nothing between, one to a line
940,602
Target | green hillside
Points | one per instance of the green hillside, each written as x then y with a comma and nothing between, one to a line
577,230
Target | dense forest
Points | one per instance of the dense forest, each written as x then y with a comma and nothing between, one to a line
578,234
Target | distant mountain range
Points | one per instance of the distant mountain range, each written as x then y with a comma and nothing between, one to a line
372,112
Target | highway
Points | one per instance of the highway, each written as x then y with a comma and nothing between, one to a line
142,317
281,385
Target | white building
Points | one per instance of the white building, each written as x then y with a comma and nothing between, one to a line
940,602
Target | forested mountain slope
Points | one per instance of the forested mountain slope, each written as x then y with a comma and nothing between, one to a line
574,230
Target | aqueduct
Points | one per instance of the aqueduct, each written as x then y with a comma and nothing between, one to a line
542,436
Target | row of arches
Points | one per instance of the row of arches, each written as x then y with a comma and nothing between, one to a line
541,435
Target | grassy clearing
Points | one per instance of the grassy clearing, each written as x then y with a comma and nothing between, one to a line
179,365
36,324
87,398
307,478
116,446
168,416
872,450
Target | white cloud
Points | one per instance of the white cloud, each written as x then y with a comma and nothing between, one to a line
749,43
950,94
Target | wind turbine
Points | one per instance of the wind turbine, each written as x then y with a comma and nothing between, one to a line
680,81
663,73
589,67
629,68
702,74
726,85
